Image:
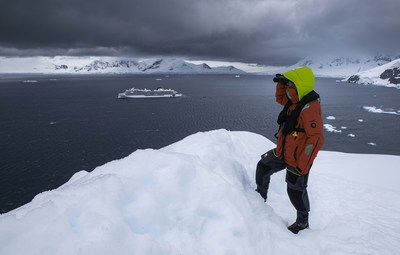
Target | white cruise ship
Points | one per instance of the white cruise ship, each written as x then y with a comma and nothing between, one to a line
147,93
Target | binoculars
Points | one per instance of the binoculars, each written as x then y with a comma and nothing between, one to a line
281,79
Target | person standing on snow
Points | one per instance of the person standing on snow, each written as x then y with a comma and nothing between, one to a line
300,137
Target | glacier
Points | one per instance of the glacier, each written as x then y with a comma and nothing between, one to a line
197,196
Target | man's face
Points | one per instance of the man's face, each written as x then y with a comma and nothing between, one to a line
291,92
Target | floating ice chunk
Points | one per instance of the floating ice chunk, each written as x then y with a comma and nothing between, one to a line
374,109
372,144
351,135
343,127
330,118
360,120
330,128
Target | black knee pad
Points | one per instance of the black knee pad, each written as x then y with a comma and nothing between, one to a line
267,157
296,182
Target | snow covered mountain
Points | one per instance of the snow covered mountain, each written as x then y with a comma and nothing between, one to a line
386,75
107,65
342,66
378,70
197,197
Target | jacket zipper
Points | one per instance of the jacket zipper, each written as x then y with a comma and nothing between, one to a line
312,153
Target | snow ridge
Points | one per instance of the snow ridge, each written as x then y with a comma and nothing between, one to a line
197,197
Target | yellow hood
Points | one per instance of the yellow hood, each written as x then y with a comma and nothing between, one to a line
303,78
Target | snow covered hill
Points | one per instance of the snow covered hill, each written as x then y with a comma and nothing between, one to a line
342,66
197,197
106,65
386,75
378,70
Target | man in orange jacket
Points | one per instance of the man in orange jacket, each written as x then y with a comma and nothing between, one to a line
300,137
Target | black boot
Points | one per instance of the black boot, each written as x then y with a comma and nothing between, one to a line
301,222
298,226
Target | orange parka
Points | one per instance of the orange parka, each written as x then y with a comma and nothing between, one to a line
299,149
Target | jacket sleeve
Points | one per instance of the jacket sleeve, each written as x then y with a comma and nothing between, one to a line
311,121
280,94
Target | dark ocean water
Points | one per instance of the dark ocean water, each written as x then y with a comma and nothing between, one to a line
57,126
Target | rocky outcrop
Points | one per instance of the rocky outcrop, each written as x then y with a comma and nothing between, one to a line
353,79
392,74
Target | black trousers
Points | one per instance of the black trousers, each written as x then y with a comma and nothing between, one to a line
296,184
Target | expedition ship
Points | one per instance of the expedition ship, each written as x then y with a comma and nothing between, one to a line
148,93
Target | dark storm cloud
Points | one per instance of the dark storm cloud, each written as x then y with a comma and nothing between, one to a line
271,32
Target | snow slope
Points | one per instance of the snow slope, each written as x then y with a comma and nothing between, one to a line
197,197
106,65
376,75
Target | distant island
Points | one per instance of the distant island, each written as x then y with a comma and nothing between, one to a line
108,65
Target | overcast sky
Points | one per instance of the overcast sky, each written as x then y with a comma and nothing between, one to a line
270,32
